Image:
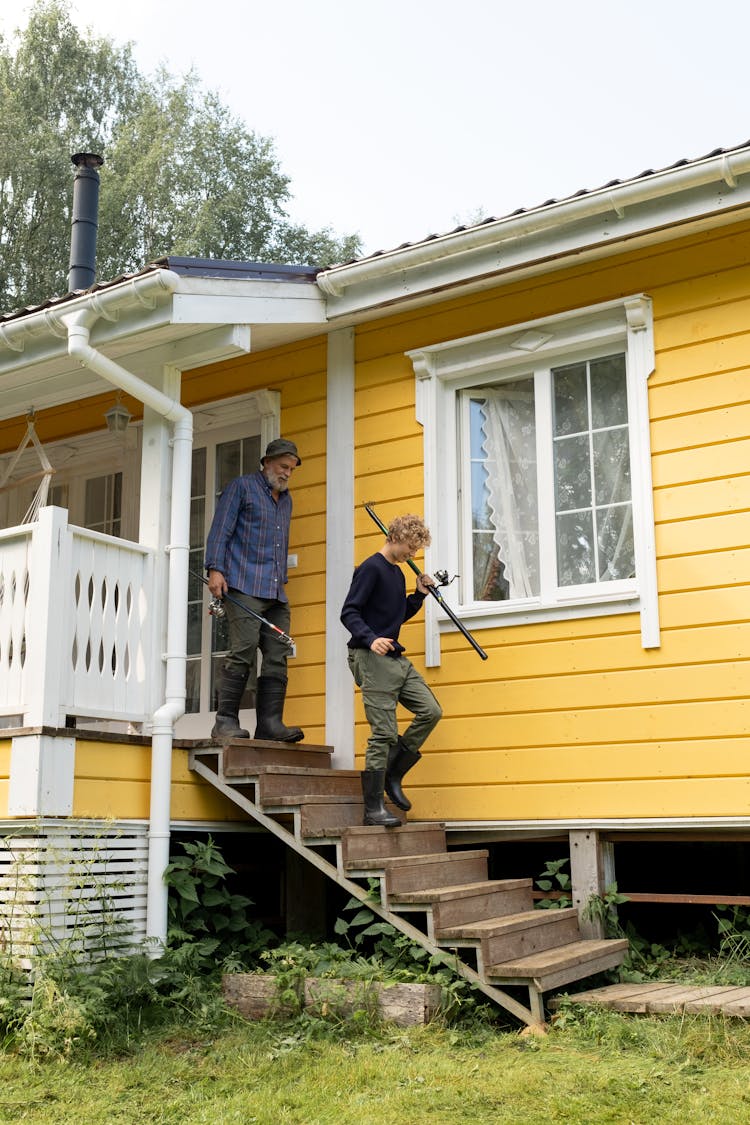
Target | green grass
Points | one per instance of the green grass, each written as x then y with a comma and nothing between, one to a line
593,1067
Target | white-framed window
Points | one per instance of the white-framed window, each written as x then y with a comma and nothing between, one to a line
541,433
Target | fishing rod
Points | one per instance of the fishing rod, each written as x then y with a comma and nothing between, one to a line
442,577
216,609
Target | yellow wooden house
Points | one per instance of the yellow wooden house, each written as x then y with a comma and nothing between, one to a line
563,392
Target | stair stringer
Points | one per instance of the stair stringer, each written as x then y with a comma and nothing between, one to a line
532,1015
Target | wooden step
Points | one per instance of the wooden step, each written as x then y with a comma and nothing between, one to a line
452,906
245,756
376,843
518,935
290,781
328,817
409,873
553,968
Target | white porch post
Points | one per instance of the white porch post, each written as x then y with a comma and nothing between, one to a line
45,680
339,542
154,520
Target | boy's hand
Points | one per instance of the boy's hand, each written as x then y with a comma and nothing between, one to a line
382,645
424,581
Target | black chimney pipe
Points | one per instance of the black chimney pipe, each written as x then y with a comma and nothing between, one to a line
82,269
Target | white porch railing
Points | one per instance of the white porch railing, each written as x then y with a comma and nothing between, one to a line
76,624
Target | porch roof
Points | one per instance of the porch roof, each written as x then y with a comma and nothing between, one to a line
180,311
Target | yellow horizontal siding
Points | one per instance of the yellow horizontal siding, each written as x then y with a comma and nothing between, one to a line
684,502
5,748
723,532
574,718
651,798
616,762
114,781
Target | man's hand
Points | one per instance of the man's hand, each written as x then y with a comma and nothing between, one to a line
423,582
217,584
382,645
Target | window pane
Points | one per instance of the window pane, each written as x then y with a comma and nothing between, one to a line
615,544
609,398
197,521
490,583
194,627
198,474
251,454
571,400
193,687
480,509
93,511
575,549
612,467
505,526
592,473
476,431
228,463
102,508
195,586
572,473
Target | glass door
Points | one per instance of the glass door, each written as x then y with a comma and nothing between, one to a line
217,461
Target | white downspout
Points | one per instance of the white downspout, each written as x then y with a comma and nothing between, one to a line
164,718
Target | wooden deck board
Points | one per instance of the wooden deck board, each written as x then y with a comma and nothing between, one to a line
665,997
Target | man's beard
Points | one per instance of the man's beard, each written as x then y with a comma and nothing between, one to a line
275,481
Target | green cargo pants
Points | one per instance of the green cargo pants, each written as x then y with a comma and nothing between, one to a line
247,635
385,682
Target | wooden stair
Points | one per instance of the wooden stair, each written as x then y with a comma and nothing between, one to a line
293,792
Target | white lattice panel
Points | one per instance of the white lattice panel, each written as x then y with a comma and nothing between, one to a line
83,886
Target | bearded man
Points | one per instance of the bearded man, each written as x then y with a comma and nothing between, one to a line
246,556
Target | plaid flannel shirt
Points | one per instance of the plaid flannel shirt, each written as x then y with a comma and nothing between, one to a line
249,538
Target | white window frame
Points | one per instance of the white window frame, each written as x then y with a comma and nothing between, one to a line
444,370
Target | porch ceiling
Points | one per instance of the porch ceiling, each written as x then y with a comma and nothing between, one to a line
203,321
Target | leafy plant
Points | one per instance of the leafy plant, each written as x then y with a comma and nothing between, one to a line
603,909
208,924
555,878
733,924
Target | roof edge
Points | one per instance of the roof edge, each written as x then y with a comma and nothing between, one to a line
614,199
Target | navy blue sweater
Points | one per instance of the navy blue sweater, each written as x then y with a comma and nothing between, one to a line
377,604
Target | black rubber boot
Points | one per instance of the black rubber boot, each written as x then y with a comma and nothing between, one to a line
230,687
269,708
372,792
400,761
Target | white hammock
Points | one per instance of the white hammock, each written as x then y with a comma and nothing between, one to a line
45,473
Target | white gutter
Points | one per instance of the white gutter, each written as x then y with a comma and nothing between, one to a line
79,324
616,198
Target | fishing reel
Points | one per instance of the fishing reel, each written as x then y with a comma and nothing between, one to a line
442,579
216,608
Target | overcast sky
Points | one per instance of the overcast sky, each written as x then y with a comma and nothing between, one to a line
400,118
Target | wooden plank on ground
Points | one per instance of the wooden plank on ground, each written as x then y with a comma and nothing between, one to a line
609,992
665,996
738,1006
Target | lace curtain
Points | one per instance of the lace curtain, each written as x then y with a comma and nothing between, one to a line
510,446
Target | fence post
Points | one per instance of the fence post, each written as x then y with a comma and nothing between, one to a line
47,666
